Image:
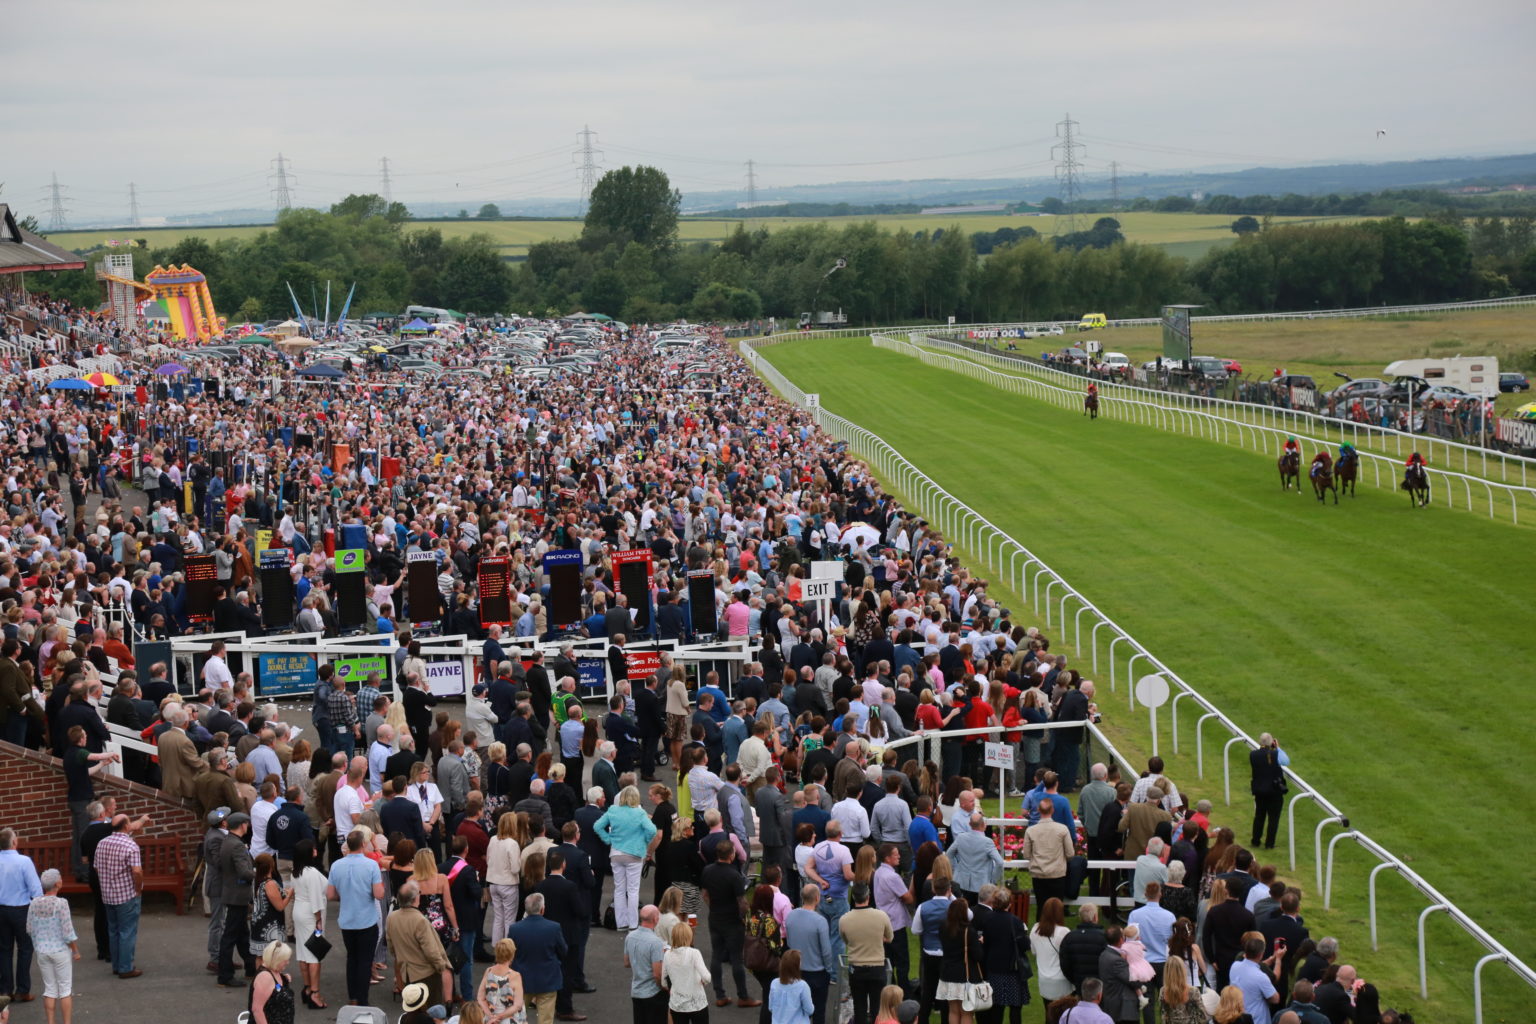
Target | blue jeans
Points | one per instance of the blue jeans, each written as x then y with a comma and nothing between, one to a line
123,933
467,939
833,908
16,729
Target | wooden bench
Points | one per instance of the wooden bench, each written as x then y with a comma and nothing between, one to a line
165,867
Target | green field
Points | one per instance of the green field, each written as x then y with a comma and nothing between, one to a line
1191,233
1389,648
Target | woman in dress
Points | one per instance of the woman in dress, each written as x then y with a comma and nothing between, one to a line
498,780
1178,898
501,990
681,856
1181,1001
962,960
400,865
503,872
664,812
435,900
309,907
1230,1009
762,925
267,908
560,795
297,775
271,1000
686,978
1045,942
1006,962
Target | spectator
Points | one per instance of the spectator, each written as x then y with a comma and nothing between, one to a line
357,884
685,977
539,948
120,868
52,932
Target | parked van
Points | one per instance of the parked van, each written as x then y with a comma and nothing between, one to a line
1477,375
1092,322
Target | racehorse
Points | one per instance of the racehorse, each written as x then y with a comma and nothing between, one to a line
1416,483
1290,470
1091,405
1322,478
1347,469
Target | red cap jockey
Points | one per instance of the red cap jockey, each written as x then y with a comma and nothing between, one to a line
1415,460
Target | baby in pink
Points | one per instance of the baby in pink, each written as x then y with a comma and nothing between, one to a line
1136,955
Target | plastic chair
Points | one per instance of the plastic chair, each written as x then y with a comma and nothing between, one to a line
360,1015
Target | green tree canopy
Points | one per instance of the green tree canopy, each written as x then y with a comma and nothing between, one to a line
635,204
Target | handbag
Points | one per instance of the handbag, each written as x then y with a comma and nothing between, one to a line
977,995
759,954
318,945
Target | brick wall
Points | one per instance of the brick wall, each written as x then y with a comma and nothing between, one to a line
35,802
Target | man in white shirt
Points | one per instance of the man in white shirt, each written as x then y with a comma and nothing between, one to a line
379,752
849,813
261,813
350,797
216,675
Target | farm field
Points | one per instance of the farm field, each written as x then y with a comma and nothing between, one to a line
1387,647
1193,232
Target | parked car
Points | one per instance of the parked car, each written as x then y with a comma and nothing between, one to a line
1360,387
1445,393
1209,367
1514,382
1233,367
1117,362
1294,380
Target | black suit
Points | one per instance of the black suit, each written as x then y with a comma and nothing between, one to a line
877,650
537,683
519,778
400,815
399,763
596,852
1334,1002
1268,788
418,717
1294,933
651,719
802,655
565,905
752,686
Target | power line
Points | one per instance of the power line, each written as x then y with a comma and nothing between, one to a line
384,189
1068,156
282,194
56,209
751,184
133,204
589,157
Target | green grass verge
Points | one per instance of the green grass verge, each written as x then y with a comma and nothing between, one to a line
1387,647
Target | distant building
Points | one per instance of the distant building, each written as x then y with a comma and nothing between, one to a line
987,208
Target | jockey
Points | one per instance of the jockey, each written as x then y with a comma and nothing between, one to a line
1292,448
1346,451
1321,462
1414,460
1093,388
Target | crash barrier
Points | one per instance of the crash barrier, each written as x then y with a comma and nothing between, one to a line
1025,572
1508,467
1456,489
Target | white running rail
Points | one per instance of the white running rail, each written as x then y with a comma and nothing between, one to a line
1025,571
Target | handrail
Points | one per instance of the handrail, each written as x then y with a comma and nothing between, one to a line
1204,423
957,518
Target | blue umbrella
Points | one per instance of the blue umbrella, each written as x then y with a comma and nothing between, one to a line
69,384
321,370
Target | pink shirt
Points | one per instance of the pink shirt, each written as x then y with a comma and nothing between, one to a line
737,615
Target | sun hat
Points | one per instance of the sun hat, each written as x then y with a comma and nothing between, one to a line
414,996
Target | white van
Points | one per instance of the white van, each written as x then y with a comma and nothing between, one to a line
1476,375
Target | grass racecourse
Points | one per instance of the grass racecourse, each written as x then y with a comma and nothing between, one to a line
1390,649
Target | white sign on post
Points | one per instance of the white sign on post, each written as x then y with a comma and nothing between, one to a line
826,570
998,755
812,400
1152,693
818,590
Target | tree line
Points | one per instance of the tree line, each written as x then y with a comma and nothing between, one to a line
629,263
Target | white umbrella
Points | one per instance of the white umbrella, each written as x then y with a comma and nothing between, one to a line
859,536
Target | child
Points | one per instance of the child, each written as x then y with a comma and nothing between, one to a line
1136,962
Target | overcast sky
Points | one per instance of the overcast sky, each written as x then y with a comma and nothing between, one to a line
474,100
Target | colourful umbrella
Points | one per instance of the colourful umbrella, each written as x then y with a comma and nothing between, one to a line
68,384
170,369
102,380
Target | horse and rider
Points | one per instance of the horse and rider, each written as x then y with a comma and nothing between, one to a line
1289,465
1416,480
1091,401
1347,468
1321,474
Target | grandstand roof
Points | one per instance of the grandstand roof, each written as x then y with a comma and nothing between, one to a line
21,250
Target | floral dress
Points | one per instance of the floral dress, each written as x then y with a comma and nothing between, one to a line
266,922
499,996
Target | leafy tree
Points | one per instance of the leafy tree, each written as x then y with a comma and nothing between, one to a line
1245,226
490,211
605,293
634,204
474,276
249,311
361,207
463,215
1052,205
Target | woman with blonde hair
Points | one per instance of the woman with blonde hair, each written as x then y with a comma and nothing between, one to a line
683,973
436,902
245,785
1230,1009
891,997
670,911
1181,1001
272,990
864,865
633,836
503,872
501,990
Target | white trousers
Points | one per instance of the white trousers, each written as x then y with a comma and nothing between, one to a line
626,889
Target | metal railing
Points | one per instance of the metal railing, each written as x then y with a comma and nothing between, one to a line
1457,489
1473,458
1026,572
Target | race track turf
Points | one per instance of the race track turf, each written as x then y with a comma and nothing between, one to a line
1389,648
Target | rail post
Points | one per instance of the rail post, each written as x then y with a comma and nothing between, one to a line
1317,842
1200,753
1370,886
1423,960
1328,875
1226,774
1477,984
1174,710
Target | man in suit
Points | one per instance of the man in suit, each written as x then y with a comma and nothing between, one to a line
502,695
752,685
179,763
399,763
419,702
541,949
773,820
651,722
623,734
159,685
215,787
565,904
236,873
1120,1001
877,650
520,775
588,842
1268,787
539,696
399,814
605,771
618,664
1285,929
453,779
714,741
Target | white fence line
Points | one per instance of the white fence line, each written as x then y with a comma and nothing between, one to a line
1006,557
1456,488
1292,419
